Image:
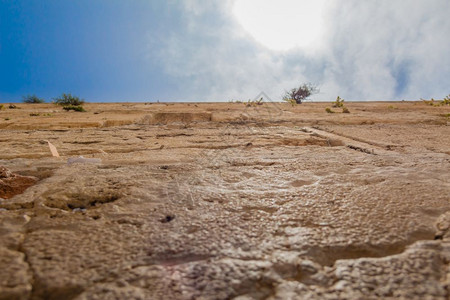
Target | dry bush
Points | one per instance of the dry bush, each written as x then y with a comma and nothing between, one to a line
298,95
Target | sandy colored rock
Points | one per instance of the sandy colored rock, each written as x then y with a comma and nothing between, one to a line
226,201
15,278
12,184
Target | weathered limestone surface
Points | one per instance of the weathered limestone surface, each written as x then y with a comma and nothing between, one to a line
12,184
230,203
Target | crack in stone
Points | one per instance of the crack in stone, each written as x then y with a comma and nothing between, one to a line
349,142
31,271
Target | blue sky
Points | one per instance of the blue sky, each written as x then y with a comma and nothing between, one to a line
194,50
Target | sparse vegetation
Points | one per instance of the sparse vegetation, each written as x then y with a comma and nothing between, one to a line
12,106
7,119
339,102
446,100
74,107
68,99
35,114
254,102
70,102
392,107
298,95
329,110
32,99
432,102
291,101
1,107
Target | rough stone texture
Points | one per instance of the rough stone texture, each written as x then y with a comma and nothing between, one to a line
231,202
12,184
15,278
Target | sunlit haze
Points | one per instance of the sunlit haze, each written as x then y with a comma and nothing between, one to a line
282,24
223,50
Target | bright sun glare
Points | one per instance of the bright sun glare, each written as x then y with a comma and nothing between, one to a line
282,24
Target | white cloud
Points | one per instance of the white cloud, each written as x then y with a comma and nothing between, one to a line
282,24
389,49
373,50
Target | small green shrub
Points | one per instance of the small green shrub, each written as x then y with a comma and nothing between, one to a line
68,100
446,100
35,114
1,107
254,102
339,102
7,119
329,110
345,110
291,101
12,106
434,103
33,99
74,107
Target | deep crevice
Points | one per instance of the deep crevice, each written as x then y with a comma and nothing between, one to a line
367,151
31,271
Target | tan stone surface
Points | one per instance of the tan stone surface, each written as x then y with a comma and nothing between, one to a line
225,201
12,184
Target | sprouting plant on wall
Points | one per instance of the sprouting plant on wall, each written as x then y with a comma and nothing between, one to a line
33,99
70,102
68,99
446,100
298,95
339,102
